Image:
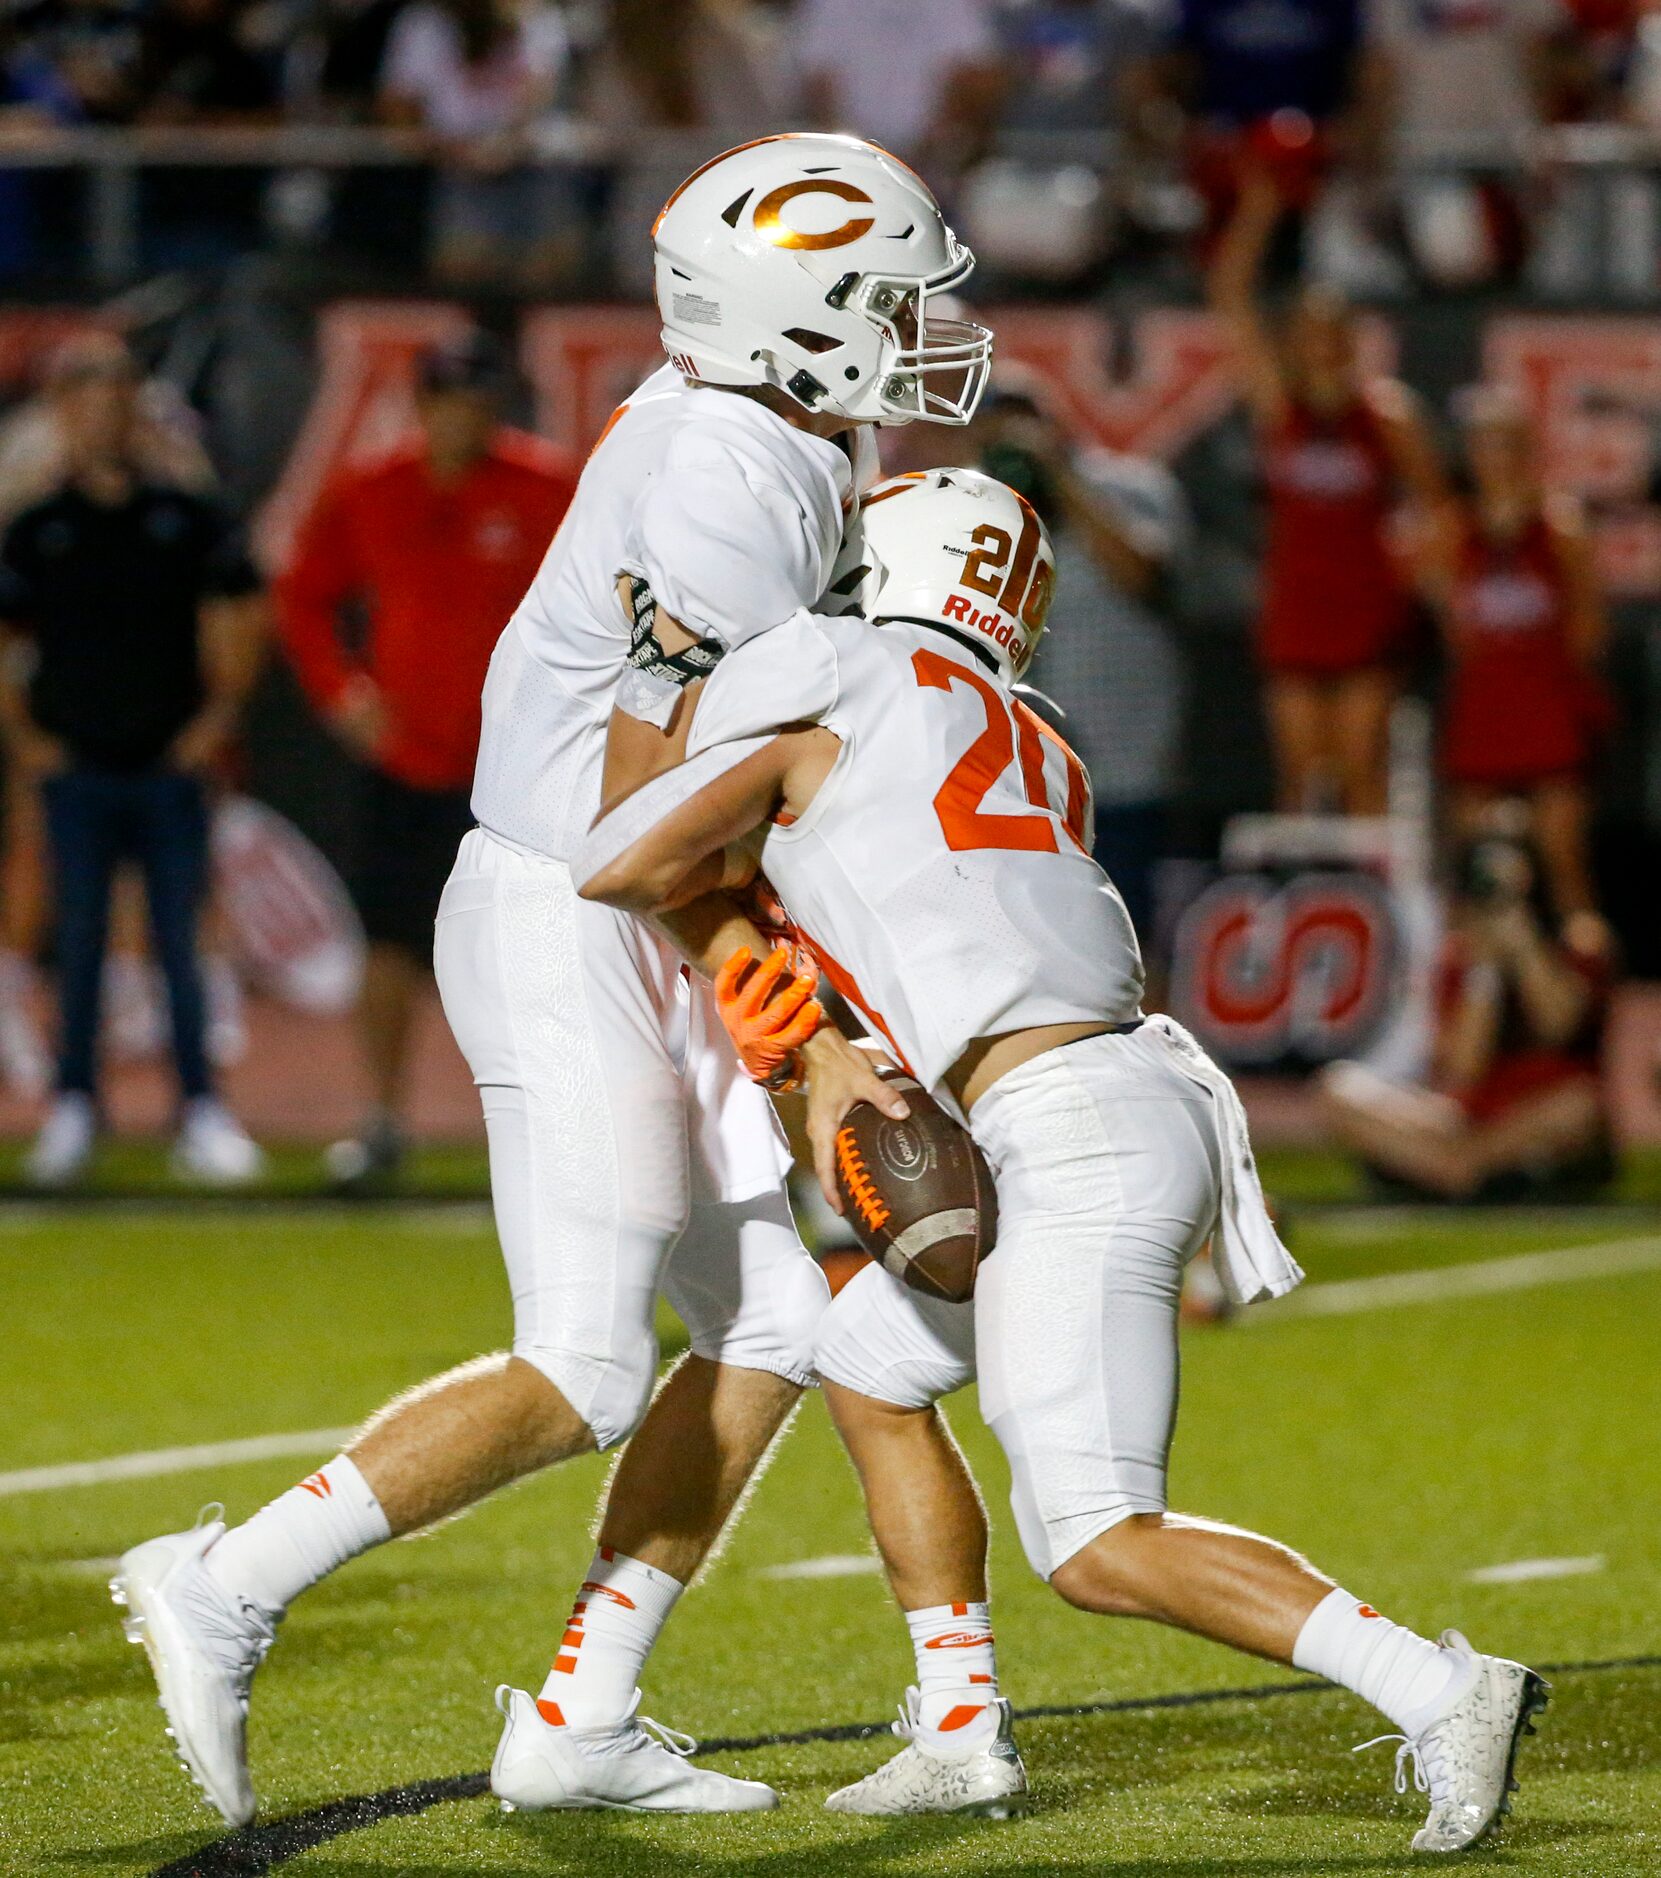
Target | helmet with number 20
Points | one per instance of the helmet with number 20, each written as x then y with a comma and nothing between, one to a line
810,262
956,549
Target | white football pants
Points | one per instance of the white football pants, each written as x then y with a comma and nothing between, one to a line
629,1152
1108,1175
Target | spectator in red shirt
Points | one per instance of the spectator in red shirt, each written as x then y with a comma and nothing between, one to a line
1514,1108
1510,573
433,547
1342,450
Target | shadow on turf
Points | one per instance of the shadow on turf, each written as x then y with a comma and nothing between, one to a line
260,1849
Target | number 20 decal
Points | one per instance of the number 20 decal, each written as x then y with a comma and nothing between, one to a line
1025,590
958,802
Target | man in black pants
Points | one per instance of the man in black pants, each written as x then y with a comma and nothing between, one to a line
143,617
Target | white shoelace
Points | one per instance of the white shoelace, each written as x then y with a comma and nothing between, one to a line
240,1630
671,1738
1429,1769
906,1726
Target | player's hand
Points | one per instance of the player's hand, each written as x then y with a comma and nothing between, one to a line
769,1011
840,1075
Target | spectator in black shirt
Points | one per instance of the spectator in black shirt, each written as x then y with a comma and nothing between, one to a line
144,619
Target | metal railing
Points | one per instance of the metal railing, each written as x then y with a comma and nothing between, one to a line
1609,176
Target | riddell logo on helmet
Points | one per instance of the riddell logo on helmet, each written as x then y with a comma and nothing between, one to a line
1001,631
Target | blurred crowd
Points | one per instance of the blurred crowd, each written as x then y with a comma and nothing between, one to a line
1063,131
1394,551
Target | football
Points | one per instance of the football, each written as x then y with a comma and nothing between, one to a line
918,1193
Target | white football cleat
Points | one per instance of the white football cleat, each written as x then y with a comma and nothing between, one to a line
633,1766
214,1147
986,1779
204,1646
64,1147
1465,1759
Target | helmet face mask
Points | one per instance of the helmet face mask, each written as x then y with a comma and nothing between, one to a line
920,346
809,263
957,550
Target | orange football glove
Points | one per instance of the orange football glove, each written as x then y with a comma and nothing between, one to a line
769,1011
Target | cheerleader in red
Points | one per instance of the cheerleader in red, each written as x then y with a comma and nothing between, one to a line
1341,451
1522,615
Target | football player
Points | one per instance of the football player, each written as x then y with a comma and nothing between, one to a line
929,839
798,281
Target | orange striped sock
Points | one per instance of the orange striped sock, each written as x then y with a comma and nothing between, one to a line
957,1670
619,1610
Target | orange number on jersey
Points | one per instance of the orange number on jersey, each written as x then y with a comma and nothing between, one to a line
977,771
1033,732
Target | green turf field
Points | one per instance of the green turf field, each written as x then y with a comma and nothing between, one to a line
1404,1445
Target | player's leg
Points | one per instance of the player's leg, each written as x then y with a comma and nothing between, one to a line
1361,704
589,1324
751,1299
584,1255
886,1355
1076,1324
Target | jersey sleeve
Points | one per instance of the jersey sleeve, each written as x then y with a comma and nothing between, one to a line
787,676
731,544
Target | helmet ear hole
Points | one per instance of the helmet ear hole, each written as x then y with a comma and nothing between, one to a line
811,341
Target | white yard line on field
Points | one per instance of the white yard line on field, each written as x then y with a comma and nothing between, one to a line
833,1565
172,1461
1522,1571
1486,1277
1480,1278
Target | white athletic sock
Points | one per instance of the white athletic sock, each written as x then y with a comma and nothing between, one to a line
1391,1667
957,1671
302,1536
619,1610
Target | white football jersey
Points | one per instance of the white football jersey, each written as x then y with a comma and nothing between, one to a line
942,874
731,515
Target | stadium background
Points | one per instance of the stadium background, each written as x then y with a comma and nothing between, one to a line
1457,1412
294,357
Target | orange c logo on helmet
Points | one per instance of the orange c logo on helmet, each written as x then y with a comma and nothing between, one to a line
770,228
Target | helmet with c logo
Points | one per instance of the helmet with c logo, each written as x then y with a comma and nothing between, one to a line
810,262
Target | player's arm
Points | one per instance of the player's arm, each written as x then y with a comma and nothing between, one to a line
676,869
684,853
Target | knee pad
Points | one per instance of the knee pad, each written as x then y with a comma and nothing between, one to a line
884,1341
611,1394
746,1289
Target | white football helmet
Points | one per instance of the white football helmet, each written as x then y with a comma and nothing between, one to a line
808,262
955,549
